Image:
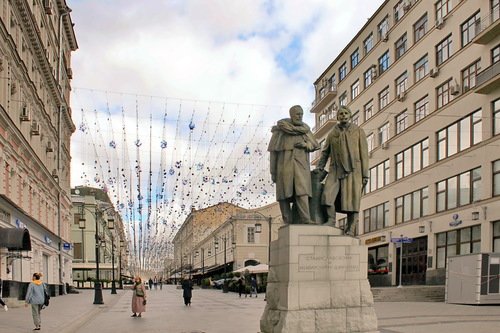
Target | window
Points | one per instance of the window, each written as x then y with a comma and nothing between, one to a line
469,75
496,116
370,138
400,46
355,118
398,11
444,50
383,98
368,43
383,62
458,190
401,83
496,236
461,241
443,93
495,54
343,99
376,218
412,205
496,178
420,28
355,58
412,159
77,251
460,135
421,68
379,177
401,122
495,10
470,28
443,7
383,29
355,90
383,133
369,76
342,71
421,108
250,234
368,109
378,259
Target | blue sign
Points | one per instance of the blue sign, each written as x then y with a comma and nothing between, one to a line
455,221
67,246
402,240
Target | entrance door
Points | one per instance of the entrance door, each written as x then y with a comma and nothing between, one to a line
414,262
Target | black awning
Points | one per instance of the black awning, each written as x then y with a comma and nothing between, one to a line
15,239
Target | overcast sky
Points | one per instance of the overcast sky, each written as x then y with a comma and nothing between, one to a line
242,63
242,51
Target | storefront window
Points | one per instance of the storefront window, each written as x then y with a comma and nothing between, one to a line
378,260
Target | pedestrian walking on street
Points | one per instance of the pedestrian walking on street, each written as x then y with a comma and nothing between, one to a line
241,286
161,283
138,298
150,282
155,282
2,303
253,285
187,293
36,297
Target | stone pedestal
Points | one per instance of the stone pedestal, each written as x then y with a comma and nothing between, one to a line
318,283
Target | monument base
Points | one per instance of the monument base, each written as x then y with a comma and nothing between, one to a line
318,282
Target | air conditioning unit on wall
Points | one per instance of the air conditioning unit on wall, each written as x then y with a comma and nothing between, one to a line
439,23
434,72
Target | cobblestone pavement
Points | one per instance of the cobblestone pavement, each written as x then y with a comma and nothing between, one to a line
215,312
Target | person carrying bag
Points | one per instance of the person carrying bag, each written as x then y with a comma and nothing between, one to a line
138,298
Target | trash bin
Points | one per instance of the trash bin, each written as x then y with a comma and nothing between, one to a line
225,286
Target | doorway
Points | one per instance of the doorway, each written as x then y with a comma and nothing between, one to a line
414,262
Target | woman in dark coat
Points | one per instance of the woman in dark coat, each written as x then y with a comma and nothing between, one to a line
187,293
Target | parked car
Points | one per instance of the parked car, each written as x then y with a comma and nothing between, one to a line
218,283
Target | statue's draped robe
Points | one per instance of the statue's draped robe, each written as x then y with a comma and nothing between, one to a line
290,165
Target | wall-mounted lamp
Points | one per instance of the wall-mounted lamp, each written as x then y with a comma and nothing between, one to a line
421,229
475,216
258,228
81,223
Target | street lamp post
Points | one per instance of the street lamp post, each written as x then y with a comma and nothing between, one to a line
97,284
120,263
258,229
111,226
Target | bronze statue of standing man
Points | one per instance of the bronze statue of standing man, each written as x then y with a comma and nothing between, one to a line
290,145
347,148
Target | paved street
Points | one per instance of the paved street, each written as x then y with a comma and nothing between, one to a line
215,312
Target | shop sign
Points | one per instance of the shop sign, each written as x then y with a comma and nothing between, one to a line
66,246
375,240
4,216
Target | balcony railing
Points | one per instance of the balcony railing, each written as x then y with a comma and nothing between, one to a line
325,96
489,79
488,28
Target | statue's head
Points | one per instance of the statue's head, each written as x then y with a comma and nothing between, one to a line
344,115
296,114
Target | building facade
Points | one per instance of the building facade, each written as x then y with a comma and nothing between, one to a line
197,226
96,223
422,79
238,239
36,41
